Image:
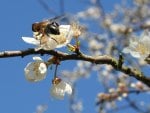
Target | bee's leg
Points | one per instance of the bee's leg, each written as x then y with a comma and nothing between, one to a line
42,39
35,35
55,40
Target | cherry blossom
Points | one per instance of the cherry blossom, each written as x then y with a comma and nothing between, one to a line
60,88
35,71
139,48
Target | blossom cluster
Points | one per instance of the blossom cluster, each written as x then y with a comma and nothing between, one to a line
114,94
37,70
122,91
120,25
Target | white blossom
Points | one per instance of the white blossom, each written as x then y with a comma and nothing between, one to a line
60,88
92,12
124,95
107,22
35,71
119,98
139,48
52,41
119,28
41,108
76,29
146,23
95,45
77,107
141,1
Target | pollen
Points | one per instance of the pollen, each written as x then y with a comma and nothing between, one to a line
141,48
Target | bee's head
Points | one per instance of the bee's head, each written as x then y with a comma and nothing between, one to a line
36,27
39,26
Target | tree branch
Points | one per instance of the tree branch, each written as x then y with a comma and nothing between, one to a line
104,59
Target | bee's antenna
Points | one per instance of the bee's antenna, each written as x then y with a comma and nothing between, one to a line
46,7
50,11
61,3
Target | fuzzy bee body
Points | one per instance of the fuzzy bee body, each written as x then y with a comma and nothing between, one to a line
45,28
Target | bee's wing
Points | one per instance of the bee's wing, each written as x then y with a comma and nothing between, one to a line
57,18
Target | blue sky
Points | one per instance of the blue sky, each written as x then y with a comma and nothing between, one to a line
18,95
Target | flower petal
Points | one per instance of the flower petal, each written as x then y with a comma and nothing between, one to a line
37,58
38,48
42,68
64,28
145,36
67,30
58,90
68,89
135,54
126,50
31,40
50,44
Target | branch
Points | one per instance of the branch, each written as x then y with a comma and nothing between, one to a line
104,59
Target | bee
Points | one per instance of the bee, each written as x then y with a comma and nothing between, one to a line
42,30
46,27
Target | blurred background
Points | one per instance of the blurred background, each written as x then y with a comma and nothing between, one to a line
107,24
